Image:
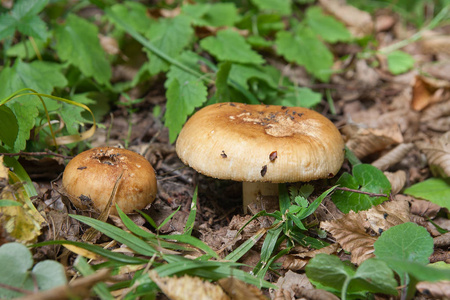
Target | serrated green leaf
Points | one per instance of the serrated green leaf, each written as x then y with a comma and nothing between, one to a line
9,128
399,62
436,190
228,45
25,50
372,275
281,6
77,42
330,29
171,36
29,75
304,48
134,14
300,97
185,92
366,178
24,18
241,74
208,14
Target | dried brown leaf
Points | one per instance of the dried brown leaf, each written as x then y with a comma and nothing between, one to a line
357,232
427,91
423,208
239,290
438,290
442,240
314,294
392,157
358,22
282,294
298,260
365,141
397,180
292,280
438,154
436,44
109,44
187,287
436,111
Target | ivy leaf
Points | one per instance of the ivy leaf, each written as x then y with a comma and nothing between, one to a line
330,29
399,62
404,244
185,92
281,6
366,178
436,190
373,275
77,42
304,48
9,128
24,18
23,75
229,45
133,14
170,35
215,15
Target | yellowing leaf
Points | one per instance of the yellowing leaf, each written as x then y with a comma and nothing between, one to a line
3,169
81,251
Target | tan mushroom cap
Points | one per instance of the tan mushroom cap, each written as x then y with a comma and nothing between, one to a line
261,143
89,179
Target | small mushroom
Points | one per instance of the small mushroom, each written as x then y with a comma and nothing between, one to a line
264,144
89,180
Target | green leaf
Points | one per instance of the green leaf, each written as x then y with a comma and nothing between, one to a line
77,42
241,74
16,262
24,18
192,214
436,190
101,289
408,242
215,15
25,49
366,178
223,93
8,202
281,6
228,45
326,26
171,36
304,48
29,75
9,128
373,275
134,14
419,271
399,62
185,92
300,97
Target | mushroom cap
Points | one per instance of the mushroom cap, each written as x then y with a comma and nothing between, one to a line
265,143
89,179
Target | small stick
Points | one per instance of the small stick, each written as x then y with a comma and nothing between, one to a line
345,189
48,152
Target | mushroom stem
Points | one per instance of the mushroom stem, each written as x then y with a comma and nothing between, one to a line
257,191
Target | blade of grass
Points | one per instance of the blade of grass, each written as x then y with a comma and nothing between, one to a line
268,246
191,218
284,199
246,246
119,235
168,219
101,289
191,241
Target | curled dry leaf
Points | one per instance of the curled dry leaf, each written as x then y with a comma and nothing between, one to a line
187,287
282,294
423,208
357,232
427,91
365,141
436,44
292,280
392,157
442,240
239,290
436,111
397,180
358,22
298,261
438,154
437,290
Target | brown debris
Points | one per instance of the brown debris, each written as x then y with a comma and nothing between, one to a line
438,290
392,157
438,154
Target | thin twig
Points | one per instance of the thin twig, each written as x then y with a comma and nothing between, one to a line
360,192
47,152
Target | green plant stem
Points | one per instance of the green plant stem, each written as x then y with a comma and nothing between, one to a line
436,20
345,288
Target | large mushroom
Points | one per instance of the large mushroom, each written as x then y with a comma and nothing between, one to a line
89,180
261,145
